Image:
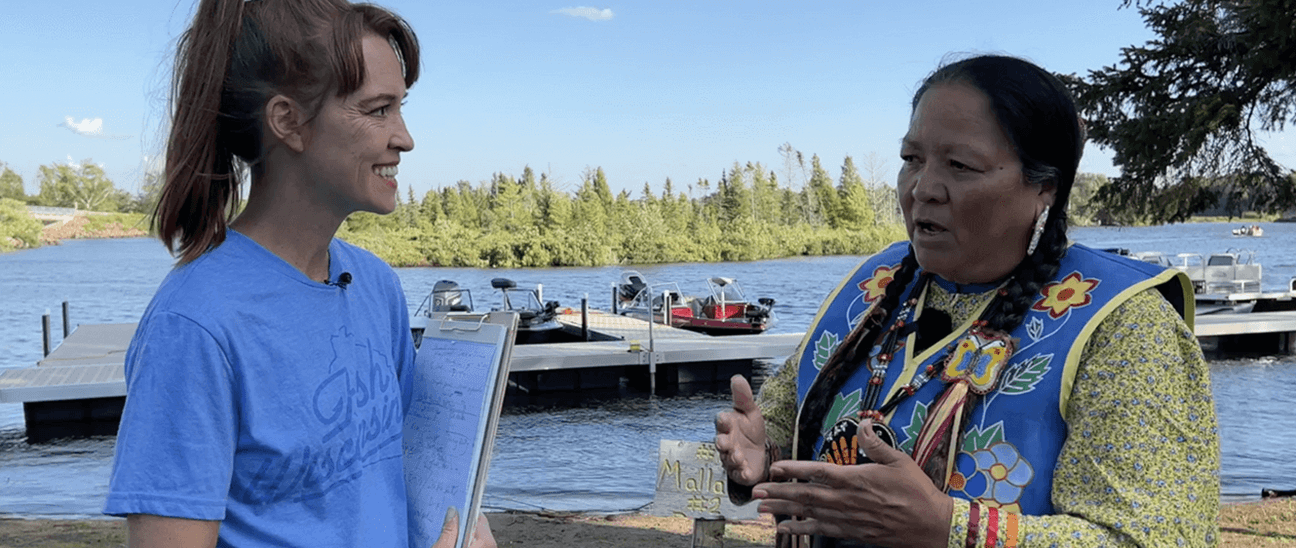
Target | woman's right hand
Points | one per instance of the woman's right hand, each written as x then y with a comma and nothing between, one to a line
740,436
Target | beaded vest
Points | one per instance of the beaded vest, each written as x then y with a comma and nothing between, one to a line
1013,435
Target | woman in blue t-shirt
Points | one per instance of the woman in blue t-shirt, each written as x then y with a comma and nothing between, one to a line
264,397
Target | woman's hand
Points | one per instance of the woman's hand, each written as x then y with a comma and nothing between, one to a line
889,501
740,436
481,536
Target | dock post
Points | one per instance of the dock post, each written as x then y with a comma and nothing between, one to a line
614,300
67,325
652,352
585,317
45,331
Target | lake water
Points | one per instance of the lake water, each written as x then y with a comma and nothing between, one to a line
591,455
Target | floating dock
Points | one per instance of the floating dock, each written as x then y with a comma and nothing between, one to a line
1247,335
80,387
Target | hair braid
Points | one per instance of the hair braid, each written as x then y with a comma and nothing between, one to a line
847,359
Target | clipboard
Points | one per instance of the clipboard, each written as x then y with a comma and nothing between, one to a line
455,392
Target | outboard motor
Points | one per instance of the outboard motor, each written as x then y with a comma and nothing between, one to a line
550,310
766,306
447,297
628,291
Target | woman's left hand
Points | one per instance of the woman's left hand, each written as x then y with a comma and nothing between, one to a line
889,501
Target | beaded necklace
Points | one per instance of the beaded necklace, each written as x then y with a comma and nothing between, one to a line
839,443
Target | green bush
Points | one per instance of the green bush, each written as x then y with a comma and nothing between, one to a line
17,227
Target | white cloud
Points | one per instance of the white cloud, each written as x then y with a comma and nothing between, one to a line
89,128
593,14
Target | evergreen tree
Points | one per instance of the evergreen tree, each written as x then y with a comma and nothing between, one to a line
1181,112
460,205
765,198
736,200
590,210
856,202
431,207
598,181
554,207
507,210
823,194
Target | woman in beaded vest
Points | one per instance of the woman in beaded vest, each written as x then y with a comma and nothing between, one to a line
987,383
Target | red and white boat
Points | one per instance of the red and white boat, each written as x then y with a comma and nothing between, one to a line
726,311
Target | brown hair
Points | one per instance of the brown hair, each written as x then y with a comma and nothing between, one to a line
229,63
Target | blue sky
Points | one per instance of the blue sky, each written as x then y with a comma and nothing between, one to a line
645,89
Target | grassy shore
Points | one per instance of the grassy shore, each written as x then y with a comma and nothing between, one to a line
1246,525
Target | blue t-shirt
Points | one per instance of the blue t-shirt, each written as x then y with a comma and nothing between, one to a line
268,400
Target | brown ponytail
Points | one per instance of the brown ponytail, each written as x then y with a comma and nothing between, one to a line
201,189
229,63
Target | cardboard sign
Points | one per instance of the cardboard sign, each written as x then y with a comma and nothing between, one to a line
691,482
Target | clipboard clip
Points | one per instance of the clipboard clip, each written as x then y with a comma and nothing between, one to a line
456,325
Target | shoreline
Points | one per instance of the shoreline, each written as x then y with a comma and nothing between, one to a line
1242,525
81,228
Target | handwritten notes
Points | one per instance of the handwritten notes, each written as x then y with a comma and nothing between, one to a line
691,482
446,427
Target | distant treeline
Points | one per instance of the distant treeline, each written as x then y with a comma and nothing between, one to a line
525,221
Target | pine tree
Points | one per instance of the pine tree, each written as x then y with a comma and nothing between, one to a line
1182,112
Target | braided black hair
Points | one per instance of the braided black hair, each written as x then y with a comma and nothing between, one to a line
847,358
1040,119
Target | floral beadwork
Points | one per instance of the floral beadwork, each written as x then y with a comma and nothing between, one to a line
875,286
995,475
1061,296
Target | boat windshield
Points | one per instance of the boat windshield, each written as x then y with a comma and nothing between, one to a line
521,299
727,290
1221,260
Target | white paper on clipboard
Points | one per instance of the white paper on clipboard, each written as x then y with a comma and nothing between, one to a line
456,392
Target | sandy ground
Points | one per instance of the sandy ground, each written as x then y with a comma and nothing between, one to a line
1250,525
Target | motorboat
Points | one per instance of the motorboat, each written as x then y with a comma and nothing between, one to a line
1248,230
725,311
1233,271
537,319
1227,282
445,300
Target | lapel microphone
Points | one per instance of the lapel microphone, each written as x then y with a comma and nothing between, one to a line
343,280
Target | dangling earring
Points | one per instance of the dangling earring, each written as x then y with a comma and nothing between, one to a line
1039,231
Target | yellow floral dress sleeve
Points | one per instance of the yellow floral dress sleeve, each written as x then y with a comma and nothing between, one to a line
1140,465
